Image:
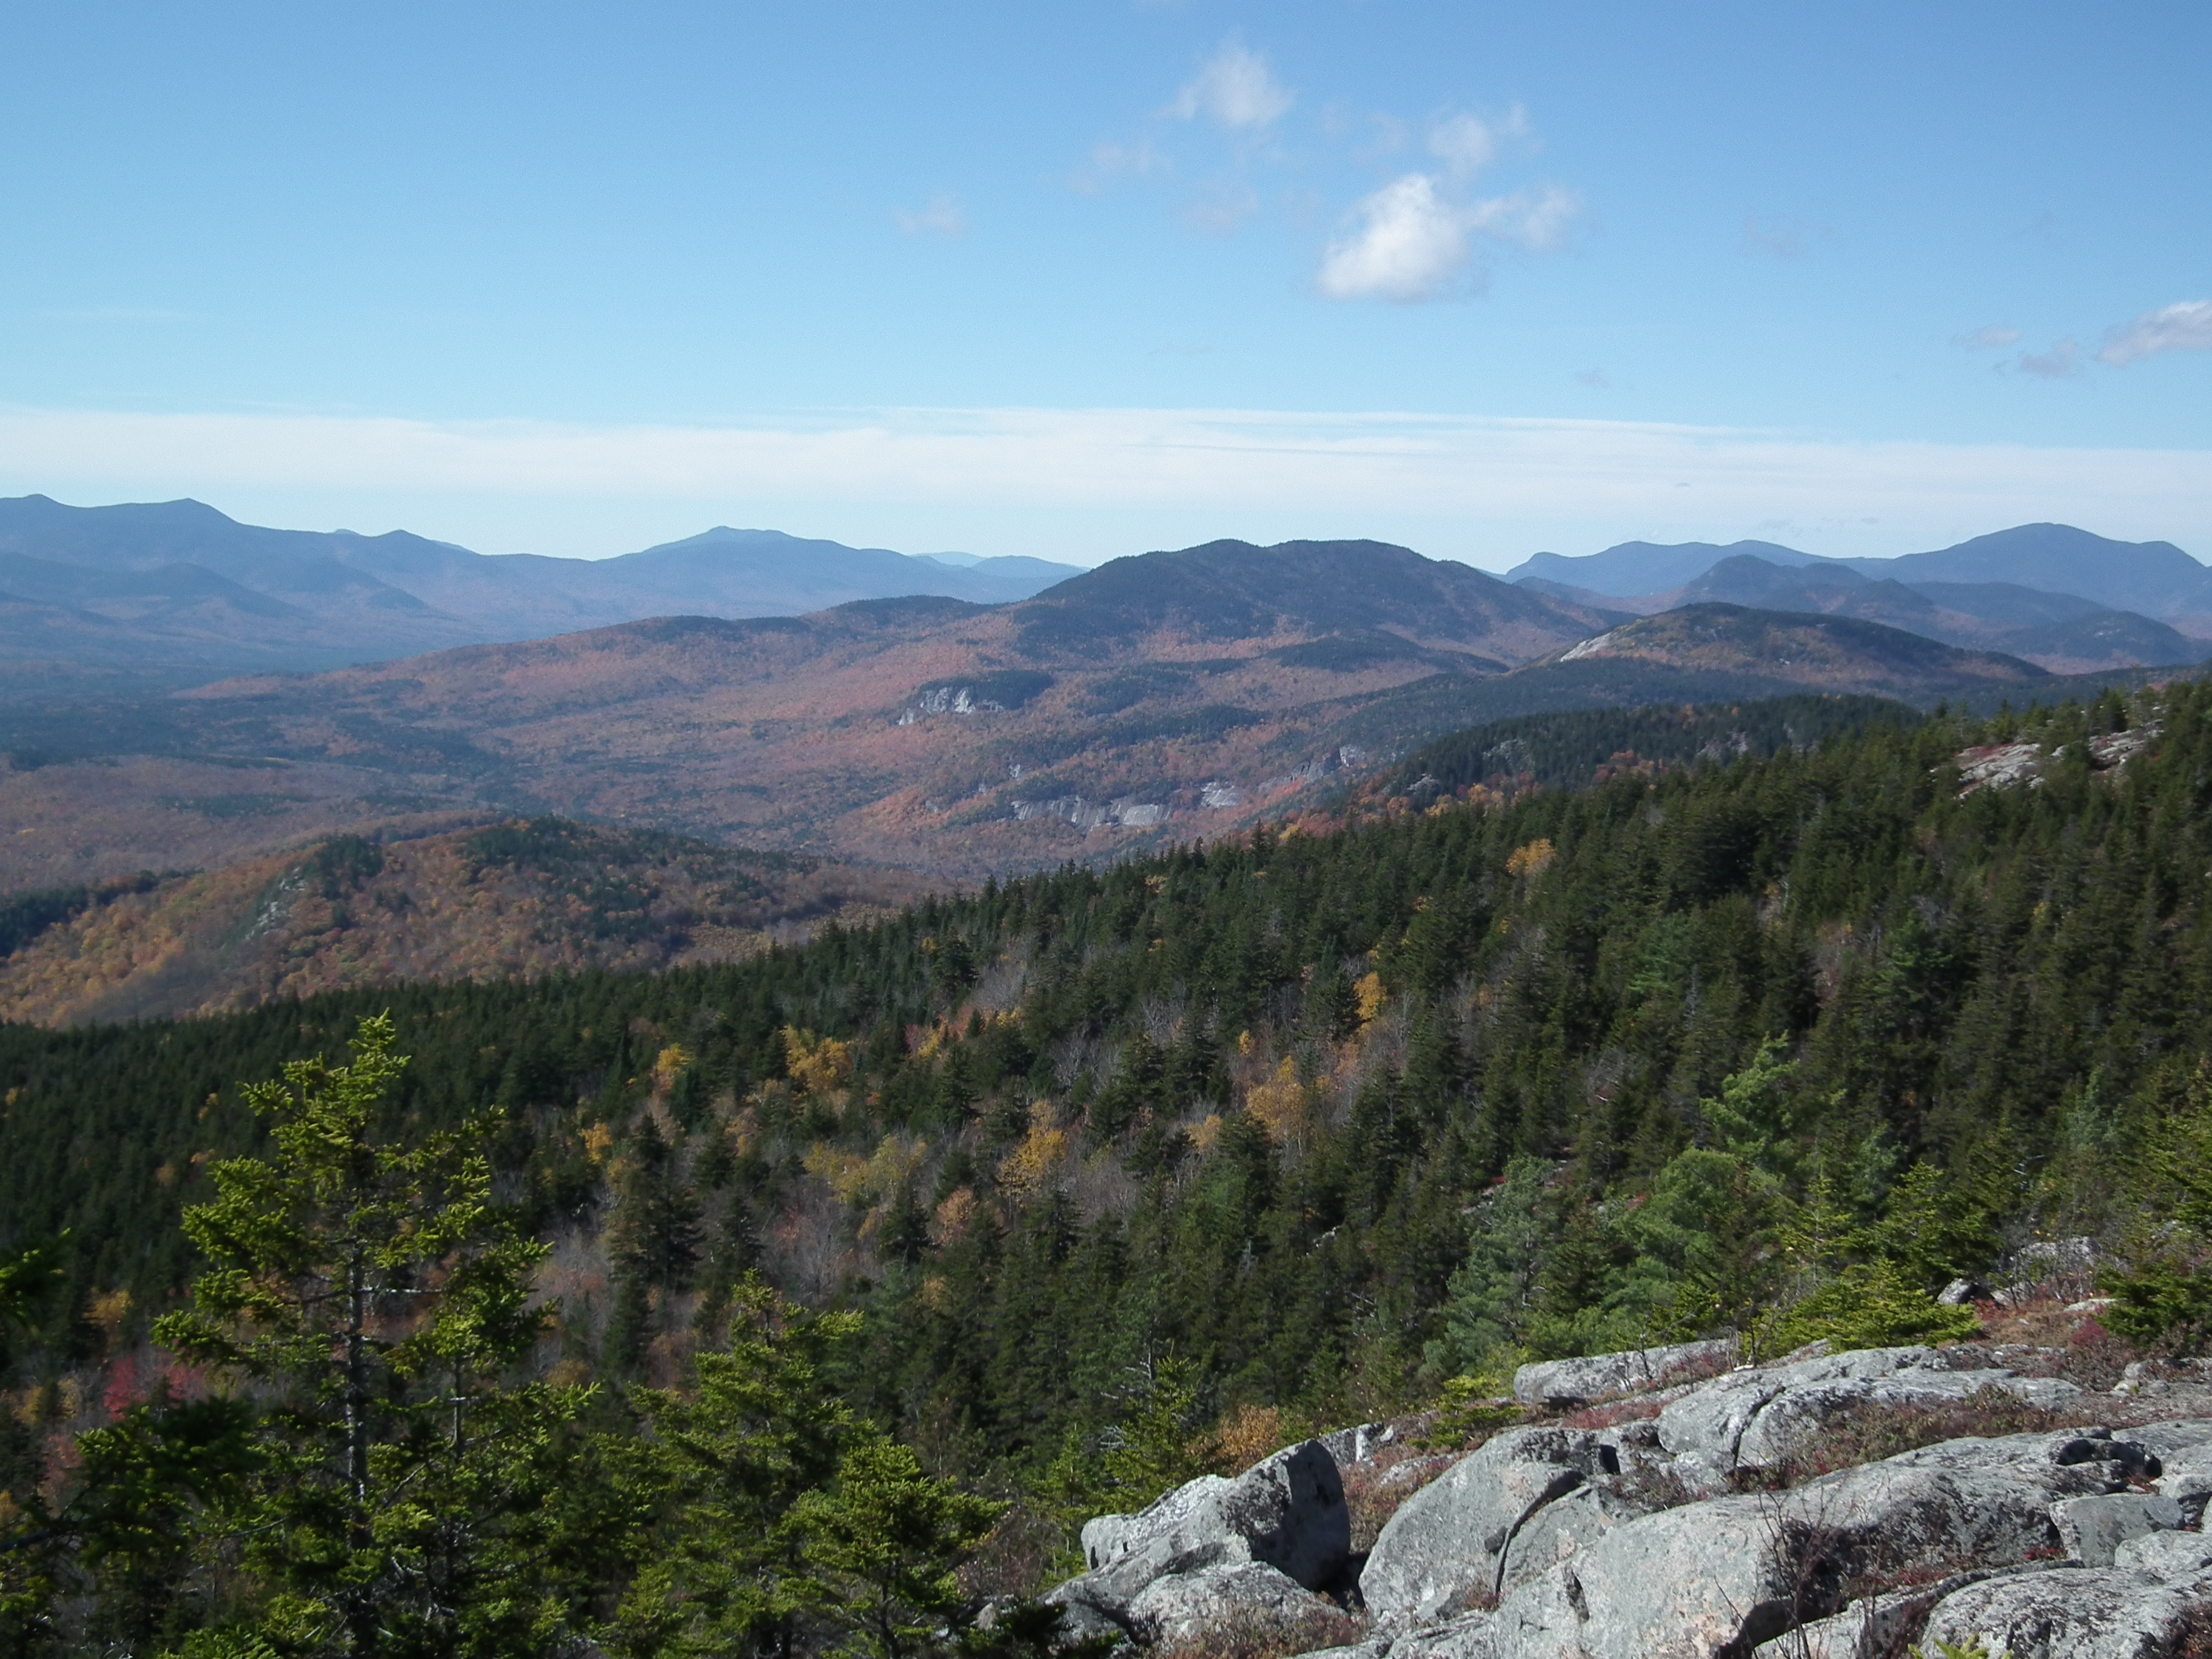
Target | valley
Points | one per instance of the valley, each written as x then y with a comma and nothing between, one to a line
1160,698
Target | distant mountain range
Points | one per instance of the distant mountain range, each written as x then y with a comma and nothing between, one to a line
1167,696
178,585
176,592
2060,597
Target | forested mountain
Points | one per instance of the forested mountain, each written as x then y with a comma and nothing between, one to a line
1158,698
523,898
1309,1120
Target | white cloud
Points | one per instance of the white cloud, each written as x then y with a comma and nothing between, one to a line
942,217
1411,243
1095,483
2062,363
2184,327
1535,220
1467,143
1994,337
1236,89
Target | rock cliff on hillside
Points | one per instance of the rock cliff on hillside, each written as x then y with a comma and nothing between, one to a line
1732,1516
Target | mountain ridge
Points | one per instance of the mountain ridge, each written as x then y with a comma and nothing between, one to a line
349,597
1186,693
2156,579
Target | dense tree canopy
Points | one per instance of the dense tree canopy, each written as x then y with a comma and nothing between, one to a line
1313,1121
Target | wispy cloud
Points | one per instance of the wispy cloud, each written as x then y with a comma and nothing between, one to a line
1996,337
1535,220
943,216
2062,363
2184,327
1220,205
1108,161
1234,89
1467,143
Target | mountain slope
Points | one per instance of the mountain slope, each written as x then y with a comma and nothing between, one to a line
1833,654
2060,632
521,899
925,731
1233,590
1123,707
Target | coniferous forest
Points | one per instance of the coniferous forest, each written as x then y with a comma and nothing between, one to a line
804,1306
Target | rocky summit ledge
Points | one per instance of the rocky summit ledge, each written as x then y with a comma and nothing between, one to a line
1672,1513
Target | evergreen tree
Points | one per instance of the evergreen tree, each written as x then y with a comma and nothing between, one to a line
372,1296
884,1540
729,1572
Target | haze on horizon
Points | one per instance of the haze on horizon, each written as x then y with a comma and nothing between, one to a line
1079,282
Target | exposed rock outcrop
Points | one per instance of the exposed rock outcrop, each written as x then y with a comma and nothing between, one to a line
1286,1514
1562,1384
2071,1613
1756,1418
1457,1537
1637,1541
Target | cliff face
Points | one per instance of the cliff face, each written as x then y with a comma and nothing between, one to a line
1647,1508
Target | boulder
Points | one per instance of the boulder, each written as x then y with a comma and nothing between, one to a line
1107,1538
1181,1606
2093,1528
1874,1627
2067,1612
1757,1418
2169,1557
1468,1637
2186,1476
1357,1445
1081,1618
1451,1539
1562,1528
1562,1384
1285,1512
1736,1571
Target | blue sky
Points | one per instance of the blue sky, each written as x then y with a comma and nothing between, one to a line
1077,280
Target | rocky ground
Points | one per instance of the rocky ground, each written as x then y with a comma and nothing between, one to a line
1669,1503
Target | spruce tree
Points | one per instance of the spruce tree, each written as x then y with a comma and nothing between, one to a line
375,1301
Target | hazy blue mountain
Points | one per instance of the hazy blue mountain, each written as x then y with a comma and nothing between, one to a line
1638,567
2060,630
179,585
2156,579
1749,579
2008,602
